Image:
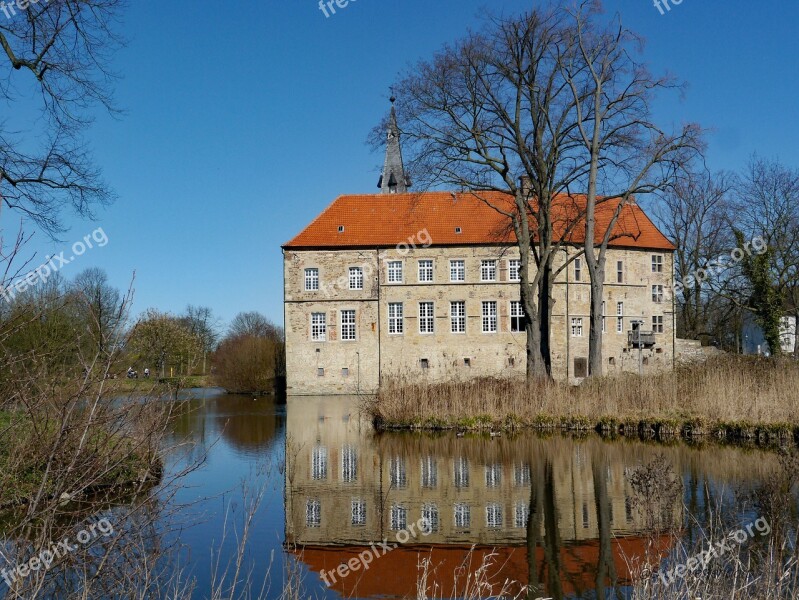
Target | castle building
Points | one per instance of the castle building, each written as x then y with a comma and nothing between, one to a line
425,285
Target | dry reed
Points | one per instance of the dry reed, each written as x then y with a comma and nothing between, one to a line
730,396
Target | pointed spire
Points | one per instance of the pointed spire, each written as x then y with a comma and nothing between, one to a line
393,180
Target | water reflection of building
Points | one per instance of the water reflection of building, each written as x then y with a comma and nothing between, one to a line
527,497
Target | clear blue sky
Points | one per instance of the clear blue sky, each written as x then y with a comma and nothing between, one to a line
245,119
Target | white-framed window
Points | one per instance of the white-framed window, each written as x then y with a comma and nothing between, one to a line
429,472
657,263
620,317
430,518
398,475
395,271
657,324
427,321
657,293
348,325
521,474
619,271
488,270
358,512
489,316
463,515
457,316
356,278
493,475
457,270
425,271
494,515
461,472
578,269
349,464
399,518
313,513
311,280
319,463
604,329
577,327
396,323
318,327
516,316
514,265
522,513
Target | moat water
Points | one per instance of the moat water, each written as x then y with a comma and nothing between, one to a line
558,513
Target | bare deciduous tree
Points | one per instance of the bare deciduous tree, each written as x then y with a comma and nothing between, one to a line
694,215
627,153
489,113
58,52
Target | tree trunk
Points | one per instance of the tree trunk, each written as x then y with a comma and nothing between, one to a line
595,363
536,367
796,334
545,315
606,569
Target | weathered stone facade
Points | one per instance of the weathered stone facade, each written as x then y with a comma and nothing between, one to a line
416,345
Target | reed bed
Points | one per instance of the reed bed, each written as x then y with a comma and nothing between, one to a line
728,396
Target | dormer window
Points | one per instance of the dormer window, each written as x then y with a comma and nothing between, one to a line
458,230
341,228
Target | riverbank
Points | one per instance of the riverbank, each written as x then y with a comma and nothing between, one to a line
36,456
727,397
165,384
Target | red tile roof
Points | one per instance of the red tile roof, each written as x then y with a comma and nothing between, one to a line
385,220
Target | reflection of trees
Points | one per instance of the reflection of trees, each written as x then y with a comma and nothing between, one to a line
543,510
606,569
245,425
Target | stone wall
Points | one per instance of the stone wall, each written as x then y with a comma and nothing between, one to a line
351,366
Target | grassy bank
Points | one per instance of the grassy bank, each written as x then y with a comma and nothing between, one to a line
730,397
40,458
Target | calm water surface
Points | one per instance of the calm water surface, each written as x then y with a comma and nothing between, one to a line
555,512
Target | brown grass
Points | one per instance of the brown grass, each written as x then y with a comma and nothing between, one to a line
729,396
